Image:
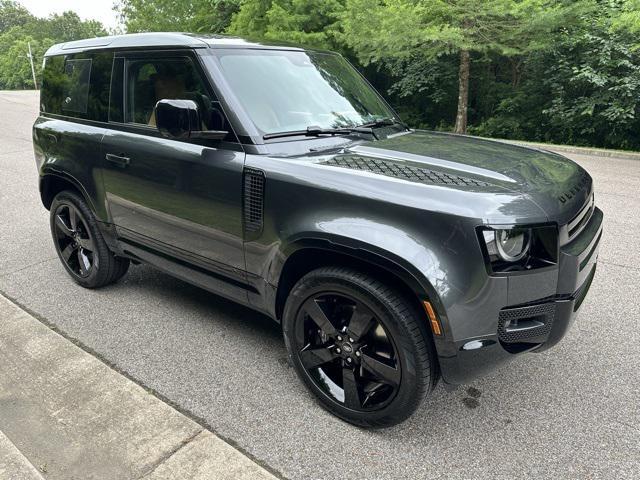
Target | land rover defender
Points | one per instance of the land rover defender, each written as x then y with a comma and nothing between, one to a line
277,177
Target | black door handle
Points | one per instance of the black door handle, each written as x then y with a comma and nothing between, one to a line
118,159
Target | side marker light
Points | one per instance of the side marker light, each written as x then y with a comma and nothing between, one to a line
435,323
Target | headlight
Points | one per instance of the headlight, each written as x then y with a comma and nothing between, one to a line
510,245
513,249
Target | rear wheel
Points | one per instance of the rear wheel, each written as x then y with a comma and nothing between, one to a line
80,245
359,346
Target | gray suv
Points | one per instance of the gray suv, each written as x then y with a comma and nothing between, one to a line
278,177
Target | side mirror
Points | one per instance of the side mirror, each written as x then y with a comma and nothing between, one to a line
180,119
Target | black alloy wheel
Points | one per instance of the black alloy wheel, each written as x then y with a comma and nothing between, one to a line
360,346
345,349
80,245
74,240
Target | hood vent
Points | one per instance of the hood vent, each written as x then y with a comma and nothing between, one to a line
253,208
406,172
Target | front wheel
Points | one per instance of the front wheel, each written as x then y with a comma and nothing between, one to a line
359,346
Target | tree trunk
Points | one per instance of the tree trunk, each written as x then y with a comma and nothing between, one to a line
463,92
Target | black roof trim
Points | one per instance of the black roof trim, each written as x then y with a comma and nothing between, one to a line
160,40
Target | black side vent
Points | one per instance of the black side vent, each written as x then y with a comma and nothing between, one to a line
406,172
253,199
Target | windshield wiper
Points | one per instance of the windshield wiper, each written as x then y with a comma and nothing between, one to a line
313,131
382,122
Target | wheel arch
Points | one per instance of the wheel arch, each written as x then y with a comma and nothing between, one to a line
306,255
52,183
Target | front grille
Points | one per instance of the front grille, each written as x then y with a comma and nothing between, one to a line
253,199
526,324
406,172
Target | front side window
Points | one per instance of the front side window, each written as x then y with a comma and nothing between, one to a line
291,90
151,80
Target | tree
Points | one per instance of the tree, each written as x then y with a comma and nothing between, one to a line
595,83
65,27
400,29
303,22
206,16
15,69
12,14
40,33
628,18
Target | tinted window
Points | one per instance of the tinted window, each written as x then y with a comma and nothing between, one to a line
116,100
98,108
77,86
78,74
291,90
54,84
152,79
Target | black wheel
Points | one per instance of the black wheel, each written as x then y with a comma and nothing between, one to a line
359,346
80,245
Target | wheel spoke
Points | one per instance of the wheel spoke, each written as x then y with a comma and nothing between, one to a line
350,387
73,220
85,243
380,370
371,393
360,323
315,357
68,251
63,227
83,261
318,316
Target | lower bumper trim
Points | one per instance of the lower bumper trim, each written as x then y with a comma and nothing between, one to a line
475,356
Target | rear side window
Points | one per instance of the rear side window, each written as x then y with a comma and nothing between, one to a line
77,86
78,74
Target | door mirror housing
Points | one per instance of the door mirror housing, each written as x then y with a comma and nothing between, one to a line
180,119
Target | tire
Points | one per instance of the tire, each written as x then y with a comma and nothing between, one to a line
375,340
80,245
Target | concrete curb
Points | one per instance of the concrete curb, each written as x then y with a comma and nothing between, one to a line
14,465
75,417
595,152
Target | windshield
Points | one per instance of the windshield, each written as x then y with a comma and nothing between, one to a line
284,91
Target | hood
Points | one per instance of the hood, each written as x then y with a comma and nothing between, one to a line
557,185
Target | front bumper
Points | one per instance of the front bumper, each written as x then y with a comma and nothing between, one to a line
532,322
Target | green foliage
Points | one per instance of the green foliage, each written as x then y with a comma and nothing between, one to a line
629,17
12,14
583,91
304,22
210,16
15,70
565,71
18,29
595,87
399,28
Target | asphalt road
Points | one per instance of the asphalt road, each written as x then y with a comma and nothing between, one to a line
571,412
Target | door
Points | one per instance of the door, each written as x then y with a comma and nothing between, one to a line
180,200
